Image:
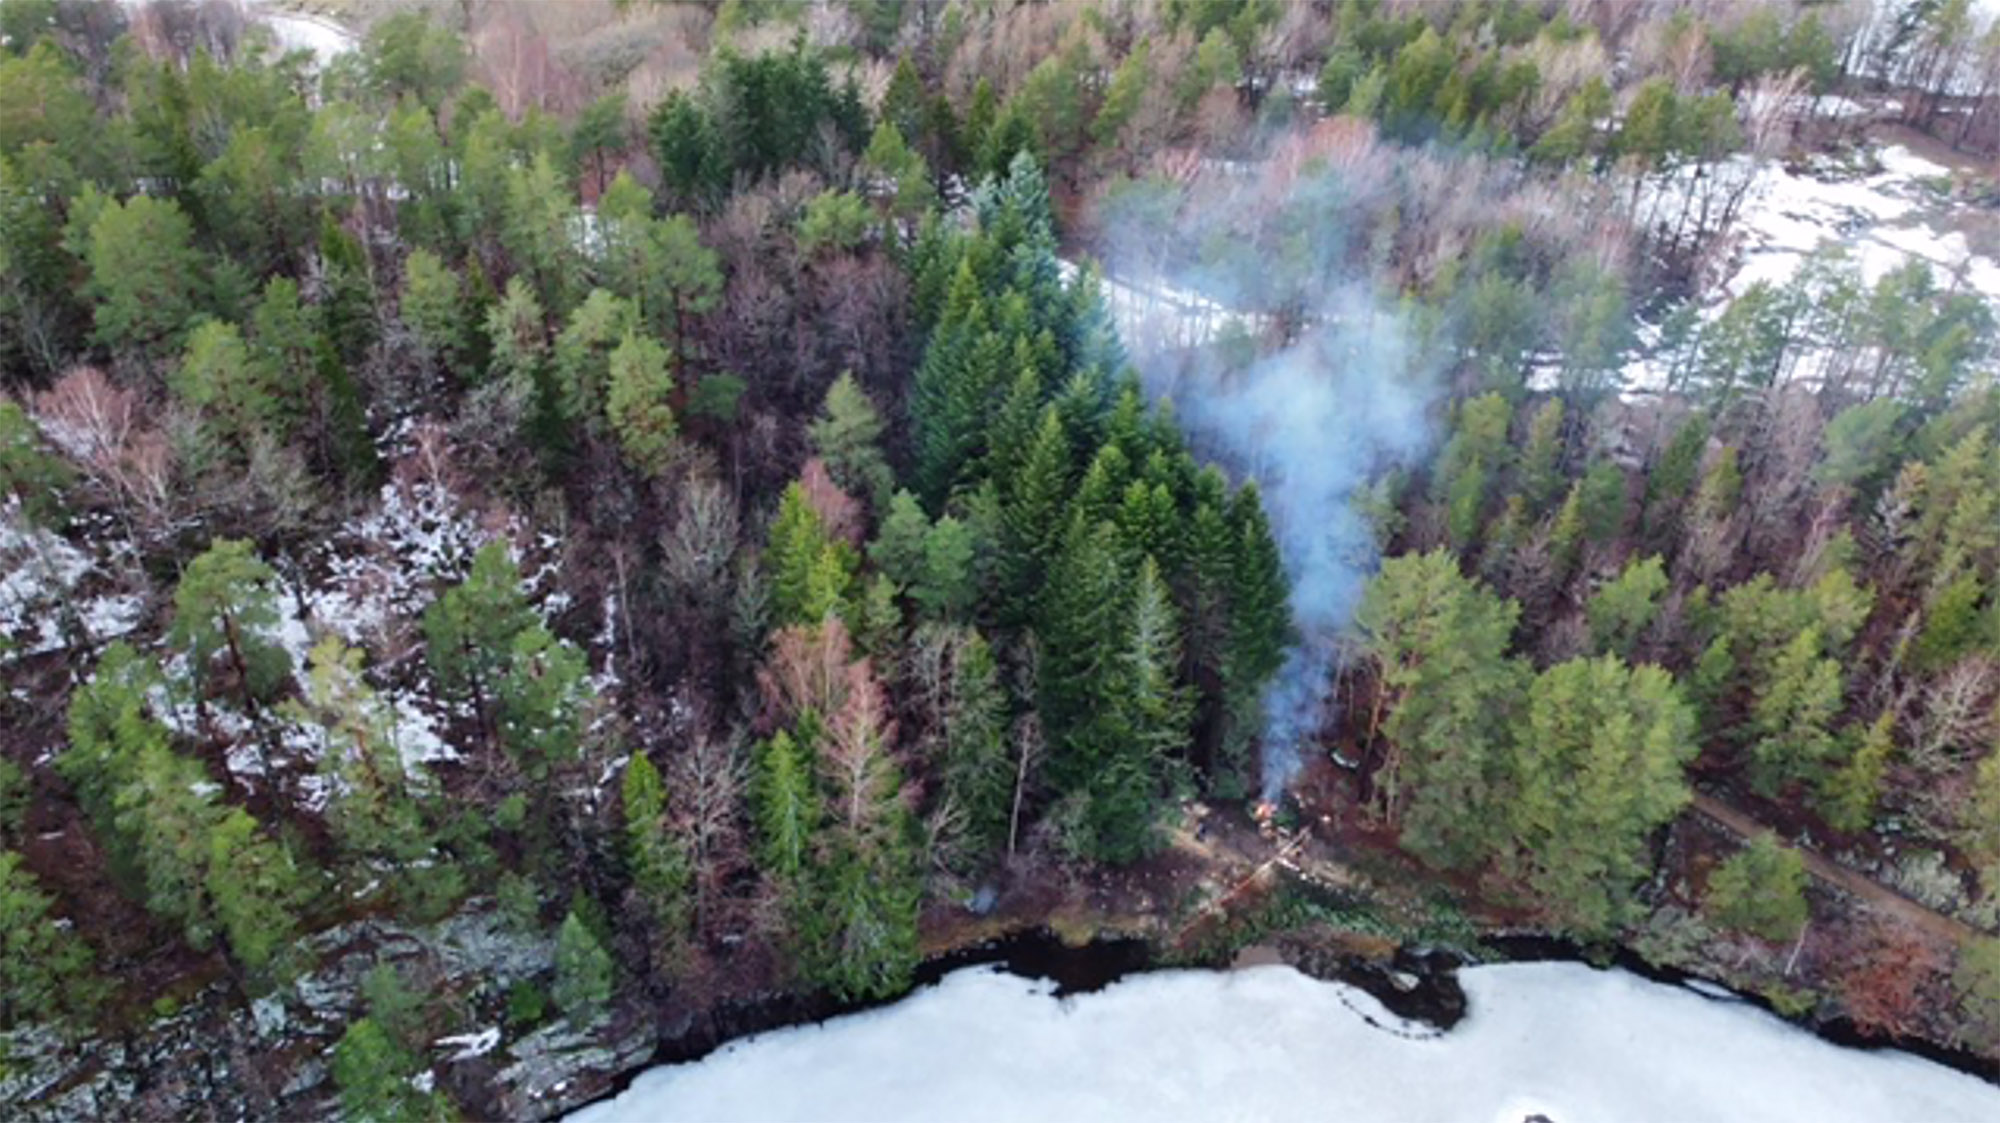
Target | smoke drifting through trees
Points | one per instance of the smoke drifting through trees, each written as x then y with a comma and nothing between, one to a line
1312,423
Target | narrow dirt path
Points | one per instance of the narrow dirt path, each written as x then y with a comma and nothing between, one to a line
1873,892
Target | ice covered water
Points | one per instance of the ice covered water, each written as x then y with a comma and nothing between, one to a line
1560,1041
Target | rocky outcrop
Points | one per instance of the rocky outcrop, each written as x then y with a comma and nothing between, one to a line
217,1056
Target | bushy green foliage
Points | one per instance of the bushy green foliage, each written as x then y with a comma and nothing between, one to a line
1760,889
583,972
45,968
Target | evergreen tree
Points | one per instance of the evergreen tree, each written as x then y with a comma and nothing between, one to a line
583,355
433,308
898,549
1792,718
1031,519
685,142
538,229
583,972
237,398
1598,759
945,586
786,808
374,809
1447,690
1851,792
469,631
810,570
347,299
954,387
1476,454
659,868
167,809
373,1075
29,475
226,608
641,382
257,890
847,435
1541,459
541,700
1760,889
1953,623
146,280
45,967
978,774
1260,621
1621,611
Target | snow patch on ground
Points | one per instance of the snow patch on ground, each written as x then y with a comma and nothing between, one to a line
1882,218
1155,315
40,573
1565,1041
383,568
470,1045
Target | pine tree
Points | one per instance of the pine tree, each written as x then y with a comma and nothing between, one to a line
469,631
236,397
538,229
1477,454
945,585
373,810
659,868
433,307
898,549
1598,761
226,606
541,701
257,890
1791,720
785,805
374,1075
168,810
1621,611
29,475
1541,459
1447,691
1760,890
847,435
583,351
110,729
347,300
45,967
1952,623
1851,792
978,774
641,382
146,282
518,332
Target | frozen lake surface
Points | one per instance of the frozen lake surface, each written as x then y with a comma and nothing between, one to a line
1559,1040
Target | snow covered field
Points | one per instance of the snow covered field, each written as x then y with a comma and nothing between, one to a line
1884,219
1561,1040
296,31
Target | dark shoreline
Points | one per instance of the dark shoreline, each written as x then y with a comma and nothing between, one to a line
1435,998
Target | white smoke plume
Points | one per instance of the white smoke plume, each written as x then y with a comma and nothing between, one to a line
1312,424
